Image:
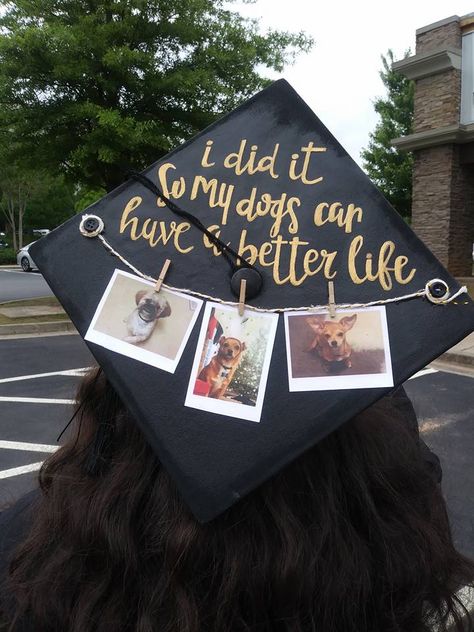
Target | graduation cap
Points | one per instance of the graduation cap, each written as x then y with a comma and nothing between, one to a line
296,296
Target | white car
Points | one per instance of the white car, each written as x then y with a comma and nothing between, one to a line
24,259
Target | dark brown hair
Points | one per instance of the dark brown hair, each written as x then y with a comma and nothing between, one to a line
351,537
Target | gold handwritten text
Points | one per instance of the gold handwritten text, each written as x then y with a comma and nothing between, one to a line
335,212
269,254
308,151
380,271
205,157
219,194
242,163
177,187
152,231
277,208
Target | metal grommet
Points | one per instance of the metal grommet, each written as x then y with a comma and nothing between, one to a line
91,225
252,277
437,290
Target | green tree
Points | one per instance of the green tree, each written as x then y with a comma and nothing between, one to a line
389,168
14,195
52,203
32,198
92,88
17,186
86,196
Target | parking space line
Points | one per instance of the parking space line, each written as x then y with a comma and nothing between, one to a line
36,400
27,447
70,372
15,471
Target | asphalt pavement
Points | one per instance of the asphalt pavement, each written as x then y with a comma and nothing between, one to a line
16,285
444,405
39,377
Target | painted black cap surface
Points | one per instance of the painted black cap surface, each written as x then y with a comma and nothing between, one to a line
213,459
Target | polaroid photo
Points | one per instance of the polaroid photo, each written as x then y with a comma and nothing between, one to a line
230,369
134,320
349,351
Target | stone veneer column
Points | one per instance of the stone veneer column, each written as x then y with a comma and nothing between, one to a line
443,201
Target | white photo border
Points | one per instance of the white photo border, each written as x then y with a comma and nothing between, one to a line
220,407
340,382
130,350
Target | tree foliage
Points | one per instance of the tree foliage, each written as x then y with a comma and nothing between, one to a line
94,88
14,195
389,168
32,198
86,196
52,204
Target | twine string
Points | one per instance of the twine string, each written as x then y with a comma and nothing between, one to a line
278,310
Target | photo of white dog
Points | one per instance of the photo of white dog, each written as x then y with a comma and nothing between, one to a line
136,321
141,322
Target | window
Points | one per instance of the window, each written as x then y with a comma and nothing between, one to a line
467,79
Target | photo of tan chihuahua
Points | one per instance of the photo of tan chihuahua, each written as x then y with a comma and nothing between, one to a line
220,370
330,339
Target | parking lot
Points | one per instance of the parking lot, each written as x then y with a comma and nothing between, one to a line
38,381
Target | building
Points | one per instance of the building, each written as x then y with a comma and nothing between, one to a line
442,141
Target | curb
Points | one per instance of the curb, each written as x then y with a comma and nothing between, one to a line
463,368
22,300
37,328
457,358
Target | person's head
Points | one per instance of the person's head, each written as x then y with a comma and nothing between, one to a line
352,536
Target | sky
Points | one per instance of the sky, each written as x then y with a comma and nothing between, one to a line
339,78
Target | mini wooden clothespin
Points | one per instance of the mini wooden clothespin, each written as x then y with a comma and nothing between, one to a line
163,272
332,302
243,289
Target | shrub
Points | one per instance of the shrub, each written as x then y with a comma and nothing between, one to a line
7,255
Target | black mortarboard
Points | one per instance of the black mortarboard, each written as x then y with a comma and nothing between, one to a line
270,181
